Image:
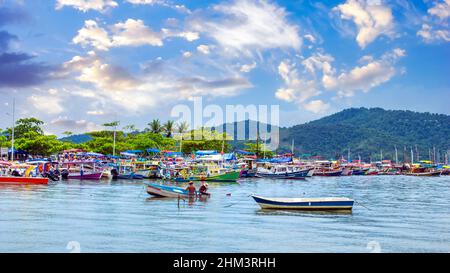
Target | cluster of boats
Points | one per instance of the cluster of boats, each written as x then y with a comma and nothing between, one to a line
207,166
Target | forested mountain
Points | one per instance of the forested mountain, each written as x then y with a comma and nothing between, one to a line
370,132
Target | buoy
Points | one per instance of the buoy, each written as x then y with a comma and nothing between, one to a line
228,194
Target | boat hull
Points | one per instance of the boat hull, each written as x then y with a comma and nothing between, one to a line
324,204
288,175
166,191
89,176
226,177
333,173
23,180
435,173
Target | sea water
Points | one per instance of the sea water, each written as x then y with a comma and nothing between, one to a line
391,214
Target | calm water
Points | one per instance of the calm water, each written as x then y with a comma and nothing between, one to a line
403,214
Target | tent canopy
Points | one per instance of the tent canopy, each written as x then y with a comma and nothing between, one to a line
206,152
152,150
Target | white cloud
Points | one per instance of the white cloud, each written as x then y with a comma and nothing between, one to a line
249,26
187,54
76,126
430,35
246,68
296,89
85,5
441,10
95,112
134,33
131,32
310,38
365,77
436,25
92,69
317,106
370,17
47,103
203,49
92,34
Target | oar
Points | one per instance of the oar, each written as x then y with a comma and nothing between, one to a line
361,205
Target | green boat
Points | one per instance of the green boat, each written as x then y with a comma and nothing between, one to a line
231,176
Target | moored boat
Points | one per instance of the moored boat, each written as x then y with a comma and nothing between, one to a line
327,203
23,180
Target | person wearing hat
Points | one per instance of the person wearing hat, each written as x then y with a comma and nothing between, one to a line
191,188
203,188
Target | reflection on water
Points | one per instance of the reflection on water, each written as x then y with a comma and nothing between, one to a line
398,213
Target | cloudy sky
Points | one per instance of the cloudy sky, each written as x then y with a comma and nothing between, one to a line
77,64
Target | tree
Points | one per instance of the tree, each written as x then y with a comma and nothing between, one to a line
258,149
131,128
168,128
182,127
26,125
155,126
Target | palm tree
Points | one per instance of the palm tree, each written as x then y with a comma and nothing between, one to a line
168,128
182,127
130,128
155,126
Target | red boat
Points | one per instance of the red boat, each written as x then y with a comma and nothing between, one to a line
23,180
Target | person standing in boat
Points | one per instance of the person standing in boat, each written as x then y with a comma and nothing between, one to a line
191,188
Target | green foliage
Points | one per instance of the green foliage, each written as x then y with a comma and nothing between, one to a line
38,144
155,126
258,149
368,132
168,128
204,139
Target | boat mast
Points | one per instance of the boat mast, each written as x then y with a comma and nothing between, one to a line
412,156
12,131
396,155
292,147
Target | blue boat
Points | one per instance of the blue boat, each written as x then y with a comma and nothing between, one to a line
327,203
130,176
282,172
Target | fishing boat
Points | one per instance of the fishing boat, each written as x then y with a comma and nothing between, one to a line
23,180
82,170
421,171
282,172
12,174
231,176
327,203
359,171
325,172
170,191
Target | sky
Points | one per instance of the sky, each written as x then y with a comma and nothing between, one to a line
77,64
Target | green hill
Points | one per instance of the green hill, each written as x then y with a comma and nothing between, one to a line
370,132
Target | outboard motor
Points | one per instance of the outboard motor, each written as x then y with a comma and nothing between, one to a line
114,173
65,174
15,173
53,176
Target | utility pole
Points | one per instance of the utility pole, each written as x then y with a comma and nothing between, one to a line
348,155
381,155
12,131
412,156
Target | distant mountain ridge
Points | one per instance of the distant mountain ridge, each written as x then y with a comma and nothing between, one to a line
370,133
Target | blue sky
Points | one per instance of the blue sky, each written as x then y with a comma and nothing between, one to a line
77,64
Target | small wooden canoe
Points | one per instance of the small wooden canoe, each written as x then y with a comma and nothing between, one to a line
327,203
23,180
